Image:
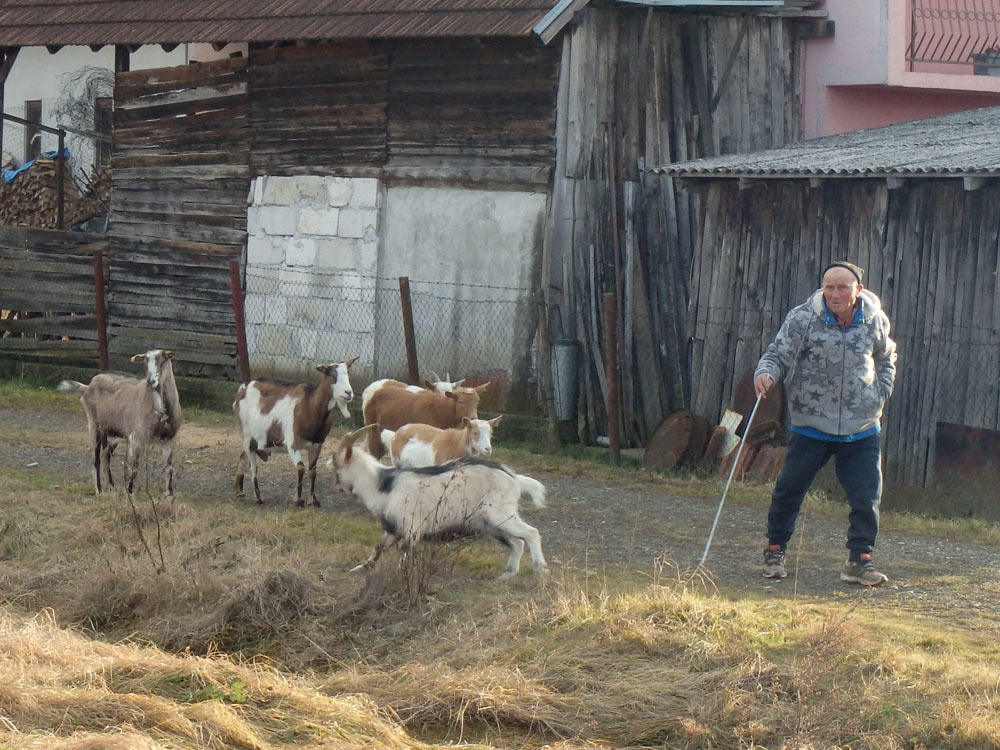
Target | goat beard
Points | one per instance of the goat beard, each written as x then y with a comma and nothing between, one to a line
343,409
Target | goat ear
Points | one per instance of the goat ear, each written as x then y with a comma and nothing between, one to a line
137,358
466,422
321,368
450,394
428,385
167,354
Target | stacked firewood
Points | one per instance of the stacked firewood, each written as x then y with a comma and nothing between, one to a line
32,198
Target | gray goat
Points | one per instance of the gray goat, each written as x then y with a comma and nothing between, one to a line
143,411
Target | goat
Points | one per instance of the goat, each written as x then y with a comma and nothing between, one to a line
415,445
142,411
296,415
437,385
465,496
394,407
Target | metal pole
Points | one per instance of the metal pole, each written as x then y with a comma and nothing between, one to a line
101,311
408,334
236,289
611,373
732,470
61,179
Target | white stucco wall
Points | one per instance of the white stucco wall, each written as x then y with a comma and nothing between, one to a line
469,255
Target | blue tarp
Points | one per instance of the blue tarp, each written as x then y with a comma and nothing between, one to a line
10,174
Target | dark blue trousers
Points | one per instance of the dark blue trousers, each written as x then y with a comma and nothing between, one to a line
859,471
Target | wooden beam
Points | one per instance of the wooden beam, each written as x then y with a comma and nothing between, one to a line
895,183
974,183
816,182
748,183
7,57
121,58
744,26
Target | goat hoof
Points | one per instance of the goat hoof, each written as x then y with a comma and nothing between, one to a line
359,568
314,504
507,575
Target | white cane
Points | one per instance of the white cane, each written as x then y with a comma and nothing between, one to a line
736,462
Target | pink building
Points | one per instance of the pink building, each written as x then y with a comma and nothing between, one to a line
896,60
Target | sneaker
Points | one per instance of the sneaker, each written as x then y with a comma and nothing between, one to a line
862,572
774,562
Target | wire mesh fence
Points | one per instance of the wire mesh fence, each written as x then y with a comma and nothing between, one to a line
296,319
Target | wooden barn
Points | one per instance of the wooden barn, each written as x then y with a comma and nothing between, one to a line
486,145
918,206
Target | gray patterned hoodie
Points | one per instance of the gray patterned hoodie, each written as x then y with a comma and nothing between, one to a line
838,379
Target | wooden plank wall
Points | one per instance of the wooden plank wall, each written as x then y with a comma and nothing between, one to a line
456,109
181,153
931,251
633,96
319,110
49,275
481,109
171,294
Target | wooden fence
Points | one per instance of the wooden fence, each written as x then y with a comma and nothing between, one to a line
164,294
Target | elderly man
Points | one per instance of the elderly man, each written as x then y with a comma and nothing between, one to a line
838,363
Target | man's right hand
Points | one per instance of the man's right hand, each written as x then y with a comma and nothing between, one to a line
762,384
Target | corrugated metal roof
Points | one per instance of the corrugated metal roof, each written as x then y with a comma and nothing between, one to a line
961,143
25,23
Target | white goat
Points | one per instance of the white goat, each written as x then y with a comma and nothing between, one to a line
295,415
415,445
466,496
143,411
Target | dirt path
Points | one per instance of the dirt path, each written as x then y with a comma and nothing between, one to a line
591,525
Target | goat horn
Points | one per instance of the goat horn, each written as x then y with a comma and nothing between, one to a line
351,361
352,437
435,377
460,381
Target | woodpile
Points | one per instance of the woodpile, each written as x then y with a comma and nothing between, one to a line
685,440
32,198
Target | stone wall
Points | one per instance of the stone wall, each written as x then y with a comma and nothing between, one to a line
312,256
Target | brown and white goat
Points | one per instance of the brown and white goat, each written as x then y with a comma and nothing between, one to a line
437,386
143,411
415,445
467,496
391,408
296,415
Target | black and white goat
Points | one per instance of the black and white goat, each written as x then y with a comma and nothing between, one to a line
465,496
295,415
143,411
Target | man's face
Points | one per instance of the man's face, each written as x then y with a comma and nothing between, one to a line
840,290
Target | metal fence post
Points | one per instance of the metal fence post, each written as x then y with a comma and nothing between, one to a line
100,310
60,182
408,334
236,289
611,372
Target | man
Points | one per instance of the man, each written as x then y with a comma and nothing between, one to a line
839,364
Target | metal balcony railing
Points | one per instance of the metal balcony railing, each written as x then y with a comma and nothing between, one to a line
955,32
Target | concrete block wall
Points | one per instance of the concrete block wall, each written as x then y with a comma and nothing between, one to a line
312,258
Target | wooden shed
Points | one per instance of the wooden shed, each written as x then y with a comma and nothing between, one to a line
918,206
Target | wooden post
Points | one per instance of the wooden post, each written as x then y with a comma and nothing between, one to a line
101,311
546,397
408,334
61,182
236,289
611,374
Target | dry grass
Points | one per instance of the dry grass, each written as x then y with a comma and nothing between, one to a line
235,626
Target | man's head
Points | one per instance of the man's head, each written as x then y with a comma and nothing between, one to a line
841,286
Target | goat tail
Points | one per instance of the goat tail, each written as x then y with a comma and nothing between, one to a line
532,488
387,438
71,386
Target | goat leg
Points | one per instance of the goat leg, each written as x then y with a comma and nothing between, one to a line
313,460
168,455
387,540
97,437
106,455
516,547
300,469
238,482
